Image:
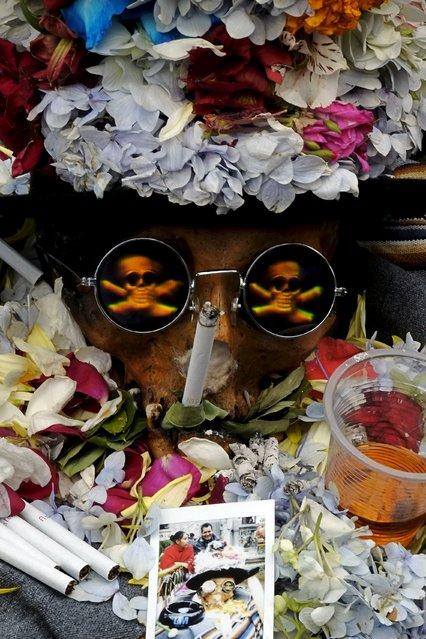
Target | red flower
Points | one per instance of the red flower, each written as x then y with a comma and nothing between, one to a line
18,95
390,417
55,5
60,53
329,355
241,82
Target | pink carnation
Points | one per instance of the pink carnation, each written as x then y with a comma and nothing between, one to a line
341,129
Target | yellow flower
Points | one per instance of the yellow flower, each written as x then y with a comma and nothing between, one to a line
331,17
291,443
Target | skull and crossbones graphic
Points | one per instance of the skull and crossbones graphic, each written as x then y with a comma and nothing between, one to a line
284,293
142,288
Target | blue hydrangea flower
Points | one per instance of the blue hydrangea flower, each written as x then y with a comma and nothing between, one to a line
92,18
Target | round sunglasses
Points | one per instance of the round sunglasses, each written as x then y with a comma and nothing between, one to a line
143,285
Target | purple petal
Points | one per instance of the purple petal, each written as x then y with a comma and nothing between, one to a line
166,469
89,381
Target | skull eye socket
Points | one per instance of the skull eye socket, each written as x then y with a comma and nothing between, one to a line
133,279
280,283
294,284
137,278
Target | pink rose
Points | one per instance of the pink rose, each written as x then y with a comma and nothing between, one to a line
341,130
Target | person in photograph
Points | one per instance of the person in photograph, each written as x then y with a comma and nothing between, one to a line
221,606
207,538
179,555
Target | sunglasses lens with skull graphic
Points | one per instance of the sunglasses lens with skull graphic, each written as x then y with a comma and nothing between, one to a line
143,285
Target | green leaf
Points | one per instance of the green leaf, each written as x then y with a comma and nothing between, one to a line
271,396
116,423
211,411
180,416
129,406
136,428
102,441
30,17
277,408
70,454
257,426
83,461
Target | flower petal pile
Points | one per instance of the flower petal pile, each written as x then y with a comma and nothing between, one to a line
75,445
172,96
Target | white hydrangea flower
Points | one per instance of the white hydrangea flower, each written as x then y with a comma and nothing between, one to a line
373,43
78,161
10,185
63,104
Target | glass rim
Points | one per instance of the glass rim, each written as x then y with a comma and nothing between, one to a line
335,429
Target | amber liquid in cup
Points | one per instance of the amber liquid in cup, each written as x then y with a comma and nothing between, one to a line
377,502
374,458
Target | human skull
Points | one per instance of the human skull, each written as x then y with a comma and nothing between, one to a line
141,288
242,355
284,293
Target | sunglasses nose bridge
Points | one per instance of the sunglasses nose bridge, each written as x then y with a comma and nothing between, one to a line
222,289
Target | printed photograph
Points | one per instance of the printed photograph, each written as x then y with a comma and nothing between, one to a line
211,577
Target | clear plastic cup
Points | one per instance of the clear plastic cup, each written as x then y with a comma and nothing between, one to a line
375,404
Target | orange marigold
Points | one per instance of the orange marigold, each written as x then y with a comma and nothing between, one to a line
331,17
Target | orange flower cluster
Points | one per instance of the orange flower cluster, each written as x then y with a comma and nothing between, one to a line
331,17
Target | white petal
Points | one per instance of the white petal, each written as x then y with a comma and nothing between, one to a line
206,453
26,464
121,607
321,615
177,122
179,49
139,558
95,589
52,395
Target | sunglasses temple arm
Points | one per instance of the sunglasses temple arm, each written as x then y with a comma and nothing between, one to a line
64,269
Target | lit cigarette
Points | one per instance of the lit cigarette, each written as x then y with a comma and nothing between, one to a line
15,556
69,562
101,564
19,263
200,356
9,536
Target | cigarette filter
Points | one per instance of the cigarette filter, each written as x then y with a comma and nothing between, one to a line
96,560
68,561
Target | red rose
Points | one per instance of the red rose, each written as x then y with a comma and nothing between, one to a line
18,95
241,82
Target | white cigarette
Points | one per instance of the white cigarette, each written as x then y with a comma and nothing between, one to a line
19,263
201,354
18,558
69,562
98,562
9,536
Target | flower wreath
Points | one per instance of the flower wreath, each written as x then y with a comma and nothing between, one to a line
208,101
